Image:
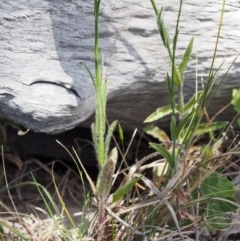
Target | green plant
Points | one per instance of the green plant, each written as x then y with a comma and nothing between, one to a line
101,139
185,128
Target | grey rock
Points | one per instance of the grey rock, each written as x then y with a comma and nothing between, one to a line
44,86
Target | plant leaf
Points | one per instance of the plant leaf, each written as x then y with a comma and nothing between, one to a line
126,188
159,113
162,30
164,152
185,59
156,132
90,74
109,136
182,124
104,182
217,186
206,127
178,81
120,131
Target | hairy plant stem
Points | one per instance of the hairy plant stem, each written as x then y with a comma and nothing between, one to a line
100,93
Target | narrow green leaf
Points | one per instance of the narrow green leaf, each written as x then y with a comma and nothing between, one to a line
164,152
19,235
182,124
120,131
126,188
185,59
90,74
163,30
206,128
159,113
109,136
178,81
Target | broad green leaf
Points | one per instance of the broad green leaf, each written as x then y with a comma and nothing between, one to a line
164,152
178,81
236,100
183,65
156,132
126,188
159,113
192,102
206,128
217,186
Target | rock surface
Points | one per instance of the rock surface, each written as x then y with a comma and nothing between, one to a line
44,86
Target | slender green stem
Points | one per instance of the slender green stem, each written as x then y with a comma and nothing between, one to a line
172,80
100,92
96,58
154,7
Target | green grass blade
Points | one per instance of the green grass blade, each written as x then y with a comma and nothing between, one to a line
14,230
178,80
126,188
164,152
181,126
120,131
207,128
90,74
